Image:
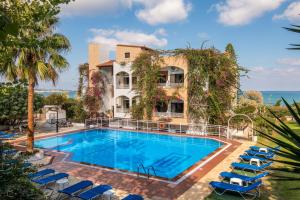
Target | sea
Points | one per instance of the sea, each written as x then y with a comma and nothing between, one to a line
270,97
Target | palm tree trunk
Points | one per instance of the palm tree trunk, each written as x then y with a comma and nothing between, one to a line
30,133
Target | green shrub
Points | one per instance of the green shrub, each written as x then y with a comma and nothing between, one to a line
13,102
14,181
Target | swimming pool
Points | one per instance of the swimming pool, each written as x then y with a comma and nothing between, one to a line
169,155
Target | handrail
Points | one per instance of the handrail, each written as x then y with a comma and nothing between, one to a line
141,166
151,167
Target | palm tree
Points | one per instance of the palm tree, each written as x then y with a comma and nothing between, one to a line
289,140
42,61
295,29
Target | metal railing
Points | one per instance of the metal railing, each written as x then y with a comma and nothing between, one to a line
170,84
147,170
143,125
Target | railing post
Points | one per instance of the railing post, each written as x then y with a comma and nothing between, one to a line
109,122
180,128
137,124
219,131
101,124
147,125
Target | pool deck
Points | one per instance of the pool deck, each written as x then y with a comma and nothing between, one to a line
194,186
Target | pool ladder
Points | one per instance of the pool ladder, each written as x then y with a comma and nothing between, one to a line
146,170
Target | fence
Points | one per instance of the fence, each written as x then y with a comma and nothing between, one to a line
143,125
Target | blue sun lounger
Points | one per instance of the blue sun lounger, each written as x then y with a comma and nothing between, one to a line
50,179
261,159
248,167
9,151
257,153
41,173
242,191
94,192
256,148
76,188
7,136
247,179
133,197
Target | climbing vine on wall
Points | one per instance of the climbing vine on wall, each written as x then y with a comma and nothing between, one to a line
213,82
93,97
146,68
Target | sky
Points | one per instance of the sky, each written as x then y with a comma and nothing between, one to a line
254,27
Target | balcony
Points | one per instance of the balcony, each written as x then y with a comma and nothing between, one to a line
171,77
122,80
122,86
122,104
169,115
122,110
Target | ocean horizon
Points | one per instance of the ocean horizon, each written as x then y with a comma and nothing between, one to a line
270,97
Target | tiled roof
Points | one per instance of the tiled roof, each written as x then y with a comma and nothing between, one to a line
106,64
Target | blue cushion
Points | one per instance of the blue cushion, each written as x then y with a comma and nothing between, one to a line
235,188
51,179
133,197
94,192
76,187
43,172
242,177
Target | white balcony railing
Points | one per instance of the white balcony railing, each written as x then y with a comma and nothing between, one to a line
170,84
169,114
122,86
122,110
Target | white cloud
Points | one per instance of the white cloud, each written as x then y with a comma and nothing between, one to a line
163,11
111,37
292,13
289,61
94,7
267,78
241,12
150,11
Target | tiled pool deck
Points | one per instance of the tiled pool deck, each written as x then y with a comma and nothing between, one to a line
194,186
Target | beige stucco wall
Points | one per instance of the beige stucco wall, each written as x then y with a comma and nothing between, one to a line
94,59
134,51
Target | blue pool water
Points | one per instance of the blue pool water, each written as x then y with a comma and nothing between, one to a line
124,150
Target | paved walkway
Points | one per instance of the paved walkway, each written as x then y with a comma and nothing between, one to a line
200,190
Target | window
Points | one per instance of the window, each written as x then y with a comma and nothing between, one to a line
127,55
177,107
161,106
163,76
126,103
178,78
